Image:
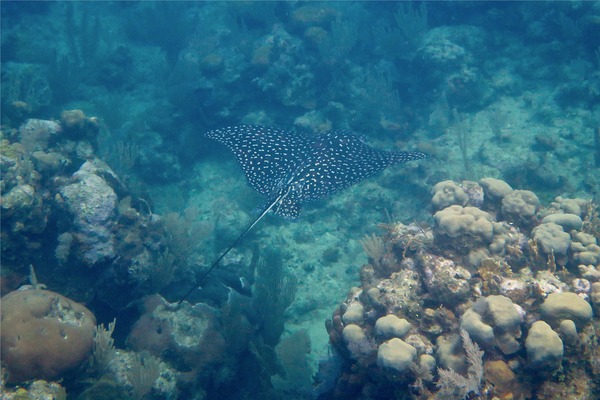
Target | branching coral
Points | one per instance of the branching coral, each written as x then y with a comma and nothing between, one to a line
185,232
452,385
374,247
103,347
142,374
274,291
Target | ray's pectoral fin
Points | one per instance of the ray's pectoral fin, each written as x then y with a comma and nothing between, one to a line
287,208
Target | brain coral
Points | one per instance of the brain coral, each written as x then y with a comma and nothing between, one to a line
495,189
448,193
470,223
544,347
585,249
520,206
553,240
396,354
494,320
44,334
567,221
561,306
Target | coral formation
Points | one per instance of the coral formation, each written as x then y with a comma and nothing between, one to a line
396,355
520,206
566,306
59,199
509,264
44,334
453,385
190,334
92,203
391,326
494,282
79,126
503,327
448,193
544,347
553,240
458,226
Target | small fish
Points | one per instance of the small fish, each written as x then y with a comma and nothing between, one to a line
290,169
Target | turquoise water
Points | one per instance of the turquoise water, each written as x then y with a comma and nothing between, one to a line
507,90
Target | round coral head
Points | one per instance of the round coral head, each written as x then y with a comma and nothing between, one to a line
44,334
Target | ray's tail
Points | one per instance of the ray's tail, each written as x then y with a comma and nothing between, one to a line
234,244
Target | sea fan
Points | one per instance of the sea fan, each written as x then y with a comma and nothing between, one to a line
452,385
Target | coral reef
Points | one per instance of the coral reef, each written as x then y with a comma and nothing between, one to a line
67,212
108,187
108,248
490,270
57,194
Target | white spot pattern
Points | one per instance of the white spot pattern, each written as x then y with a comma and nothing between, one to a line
313,167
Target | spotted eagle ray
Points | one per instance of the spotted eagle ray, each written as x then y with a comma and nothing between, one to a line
290,169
